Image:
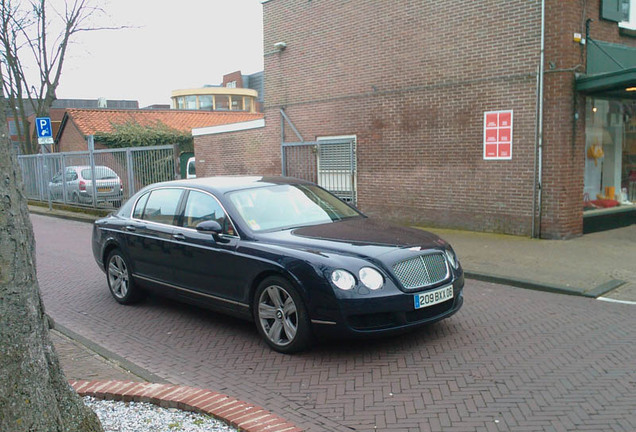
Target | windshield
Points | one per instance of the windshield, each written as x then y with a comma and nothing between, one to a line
101,173
286,206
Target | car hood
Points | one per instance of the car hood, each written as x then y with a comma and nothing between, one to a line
359,236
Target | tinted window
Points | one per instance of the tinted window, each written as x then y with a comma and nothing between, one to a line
162,205
139,208
203,207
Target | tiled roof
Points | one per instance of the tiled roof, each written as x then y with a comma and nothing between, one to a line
91,121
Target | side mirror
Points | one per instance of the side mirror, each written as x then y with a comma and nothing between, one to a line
214,228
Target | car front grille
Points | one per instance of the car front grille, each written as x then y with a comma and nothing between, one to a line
422,271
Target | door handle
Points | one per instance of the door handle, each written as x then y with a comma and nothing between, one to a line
178,236
131,228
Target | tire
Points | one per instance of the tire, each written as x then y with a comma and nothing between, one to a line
121,285
75,198
281,316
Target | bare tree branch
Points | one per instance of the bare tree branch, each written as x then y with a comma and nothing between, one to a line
28,37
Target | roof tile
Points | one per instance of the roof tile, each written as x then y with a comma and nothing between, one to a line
91,121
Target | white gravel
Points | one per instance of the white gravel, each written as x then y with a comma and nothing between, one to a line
145,417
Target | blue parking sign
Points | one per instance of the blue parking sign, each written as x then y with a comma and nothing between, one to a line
44,130
43,125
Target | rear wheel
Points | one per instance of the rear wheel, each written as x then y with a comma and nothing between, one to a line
120,282
281,316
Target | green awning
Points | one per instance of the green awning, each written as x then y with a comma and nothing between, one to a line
611,69
609,84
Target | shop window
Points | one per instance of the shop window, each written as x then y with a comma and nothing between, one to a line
610,154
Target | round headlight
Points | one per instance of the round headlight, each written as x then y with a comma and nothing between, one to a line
343,279
371,278
452,258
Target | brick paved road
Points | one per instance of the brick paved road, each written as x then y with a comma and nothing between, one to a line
511,360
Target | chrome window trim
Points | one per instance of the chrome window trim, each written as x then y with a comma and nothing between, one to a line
191,291
184,188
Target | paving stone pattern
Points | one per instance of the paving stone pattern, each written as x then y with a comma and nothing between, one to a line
510,360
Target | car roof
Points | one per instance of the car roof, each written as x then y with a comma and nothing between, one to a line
223,184
82,167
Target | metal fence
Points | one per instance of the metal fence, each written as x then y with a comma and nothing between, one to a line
119,173
330,162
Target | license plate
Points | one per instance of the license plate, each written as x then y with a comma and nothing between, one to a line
433,297
104,189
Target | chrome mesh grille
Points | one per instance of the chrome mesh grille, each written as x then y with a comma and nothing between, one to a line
421,271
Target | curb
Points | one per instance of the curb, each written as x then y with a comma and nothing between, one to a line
246,417
110,356
79,217
536,286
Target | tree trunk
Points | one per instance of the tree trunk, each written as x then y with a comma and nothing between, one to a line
34,393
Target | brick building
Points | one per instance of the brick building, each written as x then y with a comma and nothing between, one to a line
410,85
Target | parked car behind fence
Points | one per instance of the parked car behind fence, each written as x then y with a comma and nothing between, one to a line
66,176
76,184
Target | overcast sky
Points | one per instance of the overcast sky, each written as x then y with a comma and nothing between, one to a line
187,44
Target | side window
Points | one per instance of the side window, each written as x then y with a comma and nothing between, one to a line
161,206
203,207
141,205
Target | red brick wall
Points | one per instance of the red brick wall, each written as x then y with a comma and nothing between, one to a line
412,80
244,152
412,83
564,137
71,139
234,76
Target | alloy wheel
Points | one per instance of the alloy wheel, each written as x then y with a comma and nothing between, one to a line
278,315
118,276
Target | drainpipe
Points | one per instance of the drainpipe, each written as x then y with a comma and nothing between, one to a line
538,147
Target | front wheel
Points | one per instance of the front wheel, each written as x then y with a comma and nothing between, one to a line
120,282
281,316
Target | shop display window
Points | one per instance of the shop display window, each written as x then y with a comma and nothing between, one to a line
610,154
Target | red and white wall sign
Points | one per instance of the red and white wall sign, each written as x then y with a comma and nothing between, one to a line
497,135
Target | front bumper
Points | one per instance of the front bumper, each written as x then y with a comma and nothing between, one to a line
391,313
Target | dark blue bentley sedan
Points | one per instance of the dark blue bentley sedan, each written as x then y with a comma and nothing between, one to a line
281,251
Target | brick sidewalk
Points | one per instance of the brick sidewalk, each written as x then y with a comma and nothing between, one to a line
91,374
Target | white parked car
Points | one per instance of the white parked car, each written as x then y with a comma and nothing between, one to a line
79,185
191,171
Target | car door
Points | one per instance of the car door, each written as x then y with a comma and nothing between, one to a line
55,186
71,183
148,239
204,265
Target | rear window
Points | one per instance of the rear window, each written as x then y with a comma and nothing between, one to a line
101,173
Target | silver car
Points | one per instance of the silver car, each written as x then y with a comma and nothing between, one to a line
75,185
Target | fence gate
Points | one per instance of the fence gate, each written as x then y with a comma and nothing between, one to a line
331,163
